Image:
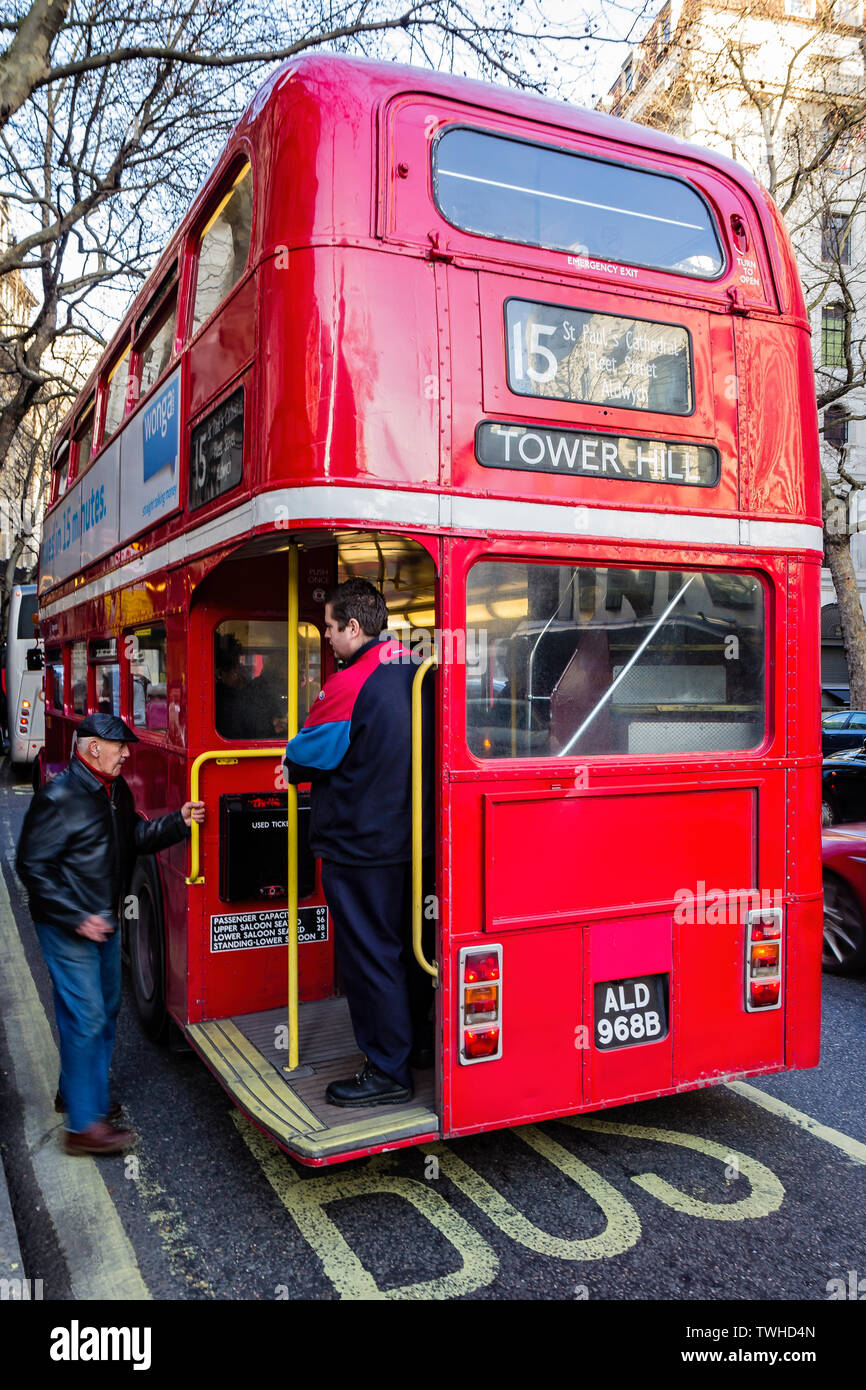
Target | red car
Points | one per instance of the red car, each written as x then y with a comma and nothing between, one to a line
844,856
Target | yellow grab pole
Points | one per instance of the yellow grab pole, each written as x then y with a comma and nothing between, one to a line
417,822
292,800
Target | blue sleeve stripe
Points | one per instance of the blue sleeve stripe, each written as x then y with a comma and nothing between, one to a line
323,746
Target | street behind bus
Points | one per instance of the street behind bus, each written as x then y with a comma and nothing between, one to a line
751,1191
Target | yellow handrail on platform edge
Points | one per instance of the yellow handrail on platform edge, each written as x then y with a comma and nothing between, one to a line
417,823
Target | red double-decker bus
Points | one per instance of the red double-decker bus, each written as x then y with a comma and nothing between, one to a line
545,379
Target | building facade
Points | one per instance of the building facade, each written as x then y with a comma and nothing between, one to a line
780,86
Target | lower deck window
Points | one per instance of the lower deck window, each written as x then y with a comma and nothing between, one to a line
582,660
251,677
148,667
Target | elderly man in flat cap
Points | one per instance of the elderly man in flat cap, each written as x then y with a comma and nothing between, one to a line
78,845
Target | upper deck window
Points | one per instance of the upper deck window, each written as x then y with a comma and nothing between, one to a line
157,345
225,245
61,470
84,440
115,401
540,196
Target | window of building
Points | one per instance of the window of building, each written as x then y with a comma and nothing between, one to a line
836,426
54,666
224,249
627,76
848,12
115,398
251,677
79,677
666,27
149,674
833,336
835,239
539,195
800,9
84,441
583,660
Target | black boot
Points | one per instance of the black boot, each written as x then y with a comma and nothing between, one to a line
369,1086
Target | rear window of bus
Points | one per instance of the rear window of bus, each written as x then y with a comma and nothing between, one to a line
538,195
573,660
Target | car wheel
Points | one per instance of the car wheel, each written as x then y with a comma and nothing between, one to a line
844,929
828,815
146,951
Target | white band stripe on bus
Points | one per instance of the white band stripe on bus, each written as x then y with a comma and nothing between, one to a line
332,504
563,198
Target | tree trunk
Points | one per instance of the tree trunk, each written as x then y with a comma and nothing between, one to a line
837,555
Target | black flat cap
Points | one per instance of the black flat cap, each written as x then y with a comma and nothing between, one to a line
106,726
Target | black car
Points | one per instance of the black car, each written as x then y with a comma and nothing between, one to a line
843,787
844,728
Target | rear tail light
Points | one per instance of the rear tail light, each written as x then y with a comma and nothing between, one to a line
24,717
763,959
480,1002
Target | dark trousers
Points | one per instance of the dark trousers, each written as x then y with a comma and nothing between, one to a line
389,995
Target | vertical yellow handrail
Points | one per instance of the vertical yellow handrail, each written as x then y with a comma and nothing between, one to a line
292,806
418,822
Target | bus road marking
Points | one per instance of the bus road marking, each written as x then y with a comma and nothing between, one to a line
306,1199
98,1254
854,1149
765,1197
622,1225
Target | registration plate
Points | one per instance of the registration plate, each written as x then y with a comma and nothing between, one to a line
630,1012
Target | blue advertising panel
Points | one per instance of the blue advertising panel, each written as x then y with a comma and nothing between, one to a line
150,454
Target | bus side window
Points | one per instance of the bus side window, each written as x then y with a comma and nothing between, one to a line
250,677
84,441
224,248
79,678
61,471
106,675
54,663
148,667
116,395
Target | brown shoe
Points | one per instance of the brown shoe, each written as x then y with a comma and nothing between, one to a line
99,1138
114,1111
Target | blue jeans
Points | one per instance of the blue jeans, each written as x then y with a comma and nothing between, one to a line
87,987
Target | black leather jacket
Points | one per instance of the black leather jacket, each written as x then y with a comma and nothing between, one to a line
78,847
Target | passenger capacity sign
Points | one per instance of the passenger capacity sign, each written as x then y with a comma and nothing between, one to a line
241,931
602,359
579,453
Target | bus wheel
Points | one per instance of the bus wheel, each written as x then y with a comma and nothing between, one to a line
828,816
844,929
146,949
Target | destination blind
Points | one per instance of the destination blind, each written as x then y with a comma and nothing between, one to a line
601,359
581,453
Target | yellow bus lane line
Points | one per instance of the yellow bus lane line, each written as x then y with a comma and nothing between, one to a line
99,1256
854,1149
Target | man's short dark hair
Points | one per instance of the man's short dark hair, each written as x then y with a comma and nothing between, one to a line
361,600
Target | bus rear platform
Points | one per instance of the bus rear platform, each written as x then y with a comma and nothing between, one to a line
243,1053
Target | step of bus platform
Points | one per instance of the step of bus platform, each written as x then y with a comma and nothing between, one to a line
243,1053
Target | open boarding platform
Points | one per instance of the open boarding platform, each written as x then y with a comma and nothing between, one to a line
242,1053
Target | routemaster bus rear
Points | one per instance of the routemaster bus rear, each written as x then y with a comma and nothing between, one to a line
545,380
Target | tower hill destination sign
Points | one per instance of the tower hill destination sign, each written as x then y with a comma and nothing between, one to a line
583,454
